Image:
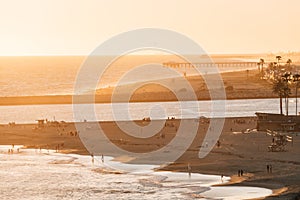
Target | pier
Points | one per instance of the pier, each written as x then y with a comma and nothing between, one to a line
210,64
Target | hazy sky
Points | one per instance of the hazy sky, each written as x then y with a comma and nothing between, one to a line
76,27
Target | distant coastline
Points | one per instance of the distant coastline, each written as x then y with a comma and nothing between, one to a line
238,85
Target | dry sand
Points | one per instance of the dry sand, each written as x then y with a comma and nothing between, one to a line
247,151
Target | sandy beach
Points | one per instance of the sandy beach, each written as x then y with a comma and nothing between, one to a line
237,150
151,100
238,85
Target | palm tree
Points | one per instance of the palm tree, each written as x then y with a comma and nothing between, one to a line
281,88
287,77
296,79
262,62
288,62
278,86
278,59
258,65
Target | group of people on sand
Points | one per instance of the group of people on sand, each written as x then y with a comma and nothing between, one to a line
48,148
71,133
75,133
11,150
58,147
93,159
240,172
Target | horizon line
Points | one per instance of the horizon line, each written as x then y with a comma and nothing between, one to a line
208,54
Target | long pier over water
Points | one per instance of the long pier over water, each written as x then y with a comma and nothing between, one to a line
210,64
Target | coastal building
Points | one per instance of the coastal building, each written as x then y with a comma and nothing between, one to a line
277,122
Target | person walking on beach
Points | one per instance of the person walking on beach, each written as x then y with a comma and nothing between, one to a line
102,158
218,143
92,155
189,168
239,172
242,172
268,168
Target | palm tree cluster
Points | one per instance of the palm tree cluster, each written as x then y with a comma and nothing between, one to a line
282,84
282,88
279,88
275,69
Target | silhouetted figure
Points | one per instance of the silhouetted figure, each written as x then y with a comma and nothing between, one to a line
92,155
102,158
242,172
239,173
268,168
271,169
189,168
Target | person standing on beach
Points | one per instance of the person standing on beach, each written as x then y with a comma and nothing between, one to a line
239,172
268,168
102,158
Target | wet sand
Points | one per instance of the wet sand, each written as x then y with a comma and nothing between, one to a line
237,150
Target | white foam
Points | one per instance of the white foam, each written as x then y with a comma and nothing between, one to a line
32,174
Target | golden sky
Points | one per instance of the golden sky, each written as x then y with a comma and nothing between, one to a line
76,27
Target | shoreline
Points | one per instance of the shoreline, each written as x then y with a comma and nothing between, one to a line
233,179
237,85
233,153
67,100
116,162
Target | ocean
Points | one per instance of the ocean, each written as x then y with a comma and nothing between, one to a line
35,174
137,111
32,174
35,76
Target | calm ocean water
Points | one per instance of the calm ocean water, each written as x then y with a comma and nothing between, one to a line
137,111
49,175
29,76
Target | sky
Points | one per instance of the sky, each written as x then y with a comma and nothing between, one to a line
77,27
